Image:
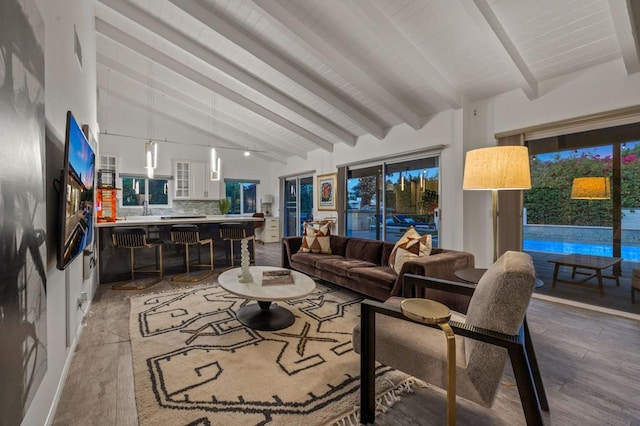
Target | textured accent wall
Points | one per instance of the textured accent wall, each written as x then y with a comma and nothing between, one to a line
180,207
23,252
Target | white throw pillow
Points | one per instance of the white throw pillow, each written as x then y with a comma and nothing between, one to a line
410,246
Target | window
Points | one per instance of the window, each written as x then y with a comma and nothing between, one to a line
108,164
243,195
556,220
298,203
135,190
384,200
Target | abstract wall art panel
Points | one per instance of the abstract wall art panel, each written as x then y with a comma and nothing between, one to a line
23,319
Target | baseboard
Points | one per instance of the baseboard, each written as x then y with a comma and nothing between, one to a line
587,306
65,370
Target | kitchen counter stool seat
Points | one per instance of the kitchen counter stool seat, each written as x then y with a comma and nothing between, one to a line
233,232
134,238
189,235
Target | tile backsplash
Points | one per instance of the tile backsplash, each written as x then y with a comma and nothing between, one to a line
180,207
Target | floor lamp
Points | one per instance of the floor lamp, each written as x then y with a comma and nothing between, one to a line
497,168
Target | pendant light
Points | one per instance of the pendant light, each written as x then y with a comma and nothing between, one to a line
215,163
151,157
150,148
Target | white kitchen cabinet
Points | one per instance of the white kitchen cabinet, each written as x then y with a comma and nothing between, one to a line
193,181
182,176
271,231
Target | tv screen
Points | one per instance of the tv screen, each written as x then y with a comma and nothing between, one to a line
77,192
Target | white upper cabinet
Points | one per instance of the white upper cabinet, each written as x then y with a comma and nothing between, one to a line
193,181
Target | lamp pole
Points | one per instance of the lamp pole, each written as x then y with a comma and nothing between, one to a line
494,210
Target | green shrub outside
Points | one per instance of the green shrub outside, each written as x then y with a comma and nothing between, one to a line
549,200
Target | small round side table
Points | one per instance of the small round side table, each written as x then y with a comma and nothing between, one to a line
431,312
473,275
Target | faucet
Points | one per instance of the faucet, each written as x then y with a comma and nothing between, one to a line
146,211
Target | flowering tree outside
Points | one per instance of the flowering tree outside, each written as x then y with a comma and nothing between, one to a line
549,200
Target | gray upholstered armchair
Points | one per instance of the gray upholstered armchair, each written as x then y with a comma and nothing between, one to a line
494,327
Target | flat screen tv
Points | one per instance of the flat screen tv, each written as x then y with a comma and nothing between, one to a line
76,194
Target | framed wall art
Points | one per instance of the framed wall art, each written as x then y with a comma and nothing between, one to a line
327,191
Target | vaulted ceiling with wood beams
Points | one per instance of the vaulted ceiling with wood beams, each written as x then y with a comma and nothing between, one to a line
290,76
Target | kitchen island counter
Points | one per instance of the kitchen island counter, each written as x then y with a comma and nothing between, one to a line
175,219
114,264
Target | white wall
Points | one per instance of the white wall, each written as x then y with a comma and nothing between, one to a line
125,118
466,215
441,129
67,87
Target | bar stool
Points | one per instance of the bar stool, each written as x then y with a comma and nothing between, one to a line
136,238
233,232
189,235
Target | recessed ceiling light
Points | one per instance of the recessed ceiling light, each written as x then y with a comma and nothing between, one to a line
247,153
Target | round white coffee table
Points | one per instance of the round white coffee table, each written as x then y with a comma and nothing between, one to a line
264,315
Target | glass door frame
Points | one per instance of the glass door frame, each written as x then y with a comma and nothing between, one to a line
381,193
296,183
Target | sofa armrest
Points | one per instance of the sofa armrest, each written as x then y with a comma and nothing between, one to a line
290,246
440,265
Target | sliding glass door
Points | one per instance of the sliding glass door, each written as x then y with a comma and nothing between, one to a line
562,211
630,201
412,191
298,204
364,203
606,222
383,201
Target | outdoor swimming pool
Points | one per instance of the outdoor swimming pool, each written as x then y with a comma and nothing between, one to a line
628,252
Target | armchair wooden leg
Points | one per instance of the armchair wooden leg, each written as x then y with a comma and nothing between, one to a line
526,386
535,370
367,365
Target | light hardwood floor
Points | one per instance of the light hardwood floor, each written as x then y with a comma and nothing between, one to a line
590,364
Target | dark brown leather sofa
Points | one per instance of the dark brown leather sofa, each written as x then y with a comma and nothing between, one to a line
363,265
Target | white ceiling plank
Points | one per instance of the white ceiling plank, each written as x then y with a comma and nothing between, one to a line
172,118
273,59
159,57
226,130
149,22
386,33
341,64
487,22
627,26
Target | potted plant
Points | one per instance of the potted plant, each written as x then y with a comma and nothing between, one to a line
224,204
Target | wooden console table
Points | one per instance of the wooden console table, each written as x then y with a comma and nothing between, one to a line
586,261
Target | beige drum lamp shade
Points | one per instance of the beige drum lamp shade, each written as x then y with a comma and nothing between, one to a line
591,188
497,167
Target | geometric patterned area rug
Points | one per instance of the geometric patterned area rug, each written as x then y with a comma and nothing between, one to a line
195,364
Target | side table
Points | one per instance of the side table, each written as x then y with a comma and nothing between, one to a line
473,275
431,312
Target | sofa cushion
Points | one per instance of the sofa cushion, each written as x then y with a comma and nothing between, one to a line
379,276
339,244
409,246
368,250
342,265
387,248
316,240
311,259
